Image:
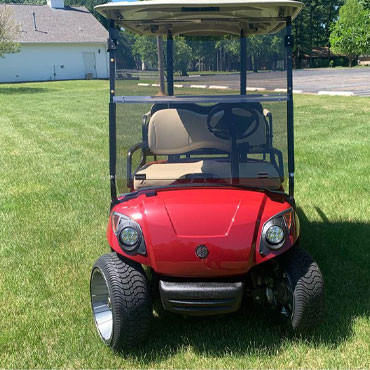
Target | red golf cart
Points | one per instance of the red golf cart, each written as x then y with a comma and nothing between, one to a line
203,217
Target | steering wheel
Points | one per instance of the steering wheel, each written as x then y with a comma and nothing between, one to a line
231,123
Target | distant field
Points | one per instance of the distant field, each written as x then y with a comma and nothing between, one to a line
54,201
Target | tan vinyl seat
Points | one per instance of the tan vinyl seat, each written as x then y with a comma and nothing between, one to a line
178,131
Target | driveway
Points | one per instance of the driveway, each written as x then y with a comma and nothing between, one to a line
356,80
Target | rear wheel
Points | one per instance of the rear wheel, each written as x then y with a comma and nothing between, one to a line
300,293
120,301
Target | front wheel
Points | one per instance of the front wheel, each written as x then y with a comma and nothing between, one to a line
120,301
301,302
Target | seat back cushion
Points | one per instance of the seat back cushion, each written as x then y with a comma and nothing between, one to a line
177,131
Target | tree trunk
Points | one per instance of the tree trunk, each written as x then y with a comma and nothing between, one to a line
317,34
255,63
162,90
299,41
311,31
328,24
296,46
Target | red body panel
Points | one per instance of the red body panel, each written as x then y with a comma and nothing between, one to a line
227,220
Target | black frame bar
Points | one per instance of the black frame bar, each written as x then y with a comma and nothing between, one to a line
289,42
169,63
243,63
112,46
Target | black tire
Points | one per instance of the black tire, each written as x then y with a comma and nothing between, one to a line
119,293
307,288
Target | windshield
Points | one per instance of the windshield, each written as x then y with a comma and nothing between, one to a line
208,132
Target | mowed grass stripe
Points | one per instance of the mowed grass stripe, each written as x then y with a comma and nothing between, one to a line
54,200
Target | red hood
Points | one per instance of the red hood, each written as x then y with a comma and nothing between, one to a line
191,216
225,220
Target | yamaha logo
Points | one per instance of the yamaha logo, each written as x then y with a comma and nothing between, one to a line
201,251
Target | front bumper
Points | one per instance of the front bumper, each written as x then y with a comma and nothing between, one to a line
201,298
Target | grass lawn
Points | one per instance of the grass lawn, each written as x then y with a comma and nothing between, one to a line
54,200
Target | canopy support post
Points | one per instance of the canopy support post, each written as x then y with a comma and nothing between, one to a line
169,63
112,46
289,42
243,63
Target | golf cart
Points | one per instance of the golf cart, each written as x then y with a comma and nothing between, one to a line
203,217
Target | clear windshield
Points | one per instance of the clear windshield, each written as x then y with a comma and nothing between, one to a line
208,133
201,63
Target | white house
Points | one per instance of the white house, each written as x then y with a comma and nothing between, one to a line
56,43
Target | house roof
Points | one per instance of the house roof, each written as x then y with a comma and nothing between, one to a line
68,25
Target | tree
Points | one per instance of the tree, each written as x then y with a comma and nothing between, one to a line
125,59
204,54
182,55
313,25
364,40
145,48
9,32
365,4
350,34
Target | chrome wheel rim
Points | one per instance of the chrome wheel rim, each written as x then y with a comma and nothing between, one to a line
101,304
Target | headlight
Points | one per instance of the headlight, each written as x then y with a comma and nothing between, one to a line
129,234
275,234
275,231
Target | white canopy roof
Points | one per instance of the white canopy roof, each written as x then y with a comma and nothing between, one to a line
201,17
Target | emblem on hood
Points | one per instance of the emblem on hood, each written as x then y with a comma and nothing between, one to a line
201,251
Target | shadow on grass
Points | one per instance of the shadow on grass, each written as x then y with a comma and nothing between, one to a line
23,90
342,251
